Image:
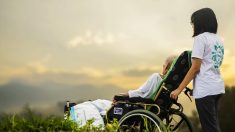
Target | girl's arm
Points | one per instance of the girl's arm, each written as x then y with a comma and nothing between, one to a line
195,68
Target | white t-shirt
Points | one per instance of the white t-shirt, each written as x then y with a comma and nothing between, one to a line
208,47
147,88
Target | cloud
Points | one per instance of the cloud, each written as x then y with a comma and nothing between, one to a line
227,68
95,38
140,72
37,66
37,72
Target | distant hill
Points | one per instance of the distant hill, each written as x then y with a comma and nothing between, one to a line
16,94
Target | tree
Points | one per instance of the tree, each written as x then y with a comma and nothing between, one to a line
226,112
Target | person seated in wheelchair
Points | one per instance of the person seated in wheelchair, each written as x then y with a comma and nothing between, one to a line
123,102
145,90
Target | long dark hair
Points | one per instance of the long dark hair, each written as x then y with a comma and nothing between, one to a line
204,20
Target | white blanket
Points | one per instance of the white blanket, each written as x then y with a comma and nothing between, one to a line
88,110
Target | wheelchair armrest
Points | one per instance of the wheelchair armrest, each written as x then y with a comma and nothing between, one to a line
133,99
121,97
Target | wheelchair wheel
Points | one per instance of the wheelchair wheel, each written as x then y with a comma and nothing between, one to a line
140,120
178,122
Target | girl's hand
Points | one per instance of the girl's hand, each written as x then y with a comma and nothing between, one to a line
174,94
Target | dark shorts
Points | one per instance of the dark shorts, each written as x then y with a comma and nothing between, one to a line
207,108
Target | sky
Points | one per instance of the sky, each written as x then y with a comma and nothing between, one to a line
58,49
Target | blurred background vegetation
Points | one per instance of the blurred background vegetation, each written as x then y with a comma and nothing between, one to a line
226,113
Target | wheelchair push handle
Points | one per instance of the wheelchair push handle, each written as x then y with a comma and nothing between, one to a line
188,92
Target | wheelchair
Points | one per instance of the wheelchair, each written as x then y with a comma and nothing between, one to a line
159,113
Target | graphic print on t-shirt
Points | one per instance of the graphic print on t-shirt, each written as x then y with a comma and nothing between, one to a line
217,54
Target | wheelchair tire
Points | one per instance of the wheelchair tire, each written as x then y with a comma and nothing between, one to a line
179,122
141,120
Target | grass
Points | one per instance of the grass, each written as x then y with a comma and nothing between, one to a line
29,120
52,123
35,122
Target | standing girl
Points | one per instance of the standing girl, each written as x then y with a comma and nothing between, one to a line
207,57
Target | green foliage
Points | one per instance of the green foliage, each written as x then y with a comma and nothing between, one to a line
112,127
32,121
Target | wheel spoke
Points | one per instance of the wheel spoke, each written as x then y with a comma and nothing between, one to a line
141,121
178,124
